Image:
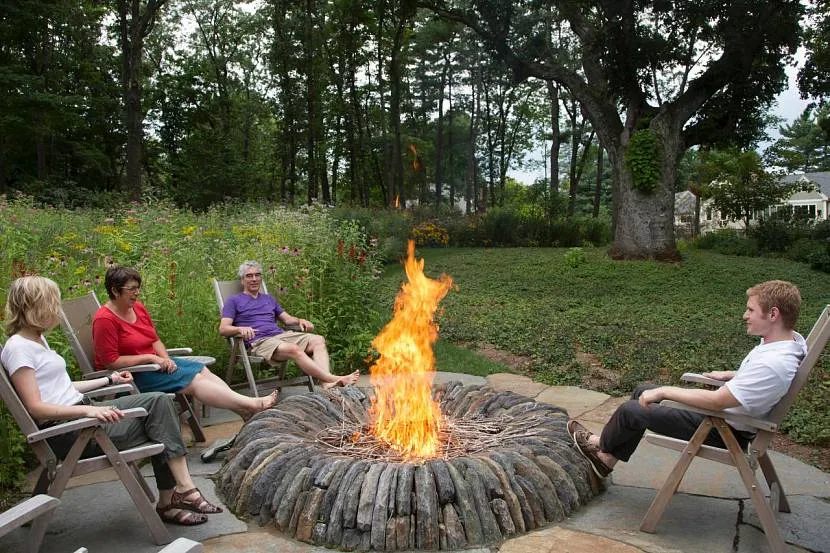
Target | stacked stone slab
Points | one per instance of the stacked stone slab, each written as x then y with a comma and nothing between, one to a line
280,473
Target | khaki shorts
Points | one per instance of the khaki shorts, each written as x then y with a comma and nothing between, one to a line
267,347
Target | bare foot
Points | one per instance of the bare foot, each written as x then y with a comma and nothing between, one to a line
346,380
263,403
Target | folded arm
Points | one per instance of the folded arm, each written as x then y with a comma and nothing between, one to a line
713,400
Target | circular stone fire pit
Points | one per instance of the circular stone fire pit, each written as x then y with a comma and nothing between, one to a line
508,467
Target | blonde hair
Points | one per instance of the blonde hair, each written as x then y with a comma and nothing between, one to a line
33,302
781,294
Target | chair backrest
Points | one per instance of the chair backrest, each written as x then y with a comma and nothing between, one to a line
22,417
816,342
227,288
76,322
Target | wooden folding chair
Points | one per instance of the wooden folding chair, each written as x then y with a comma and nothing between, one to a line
237,352
76,322
34,510
54,473
746,462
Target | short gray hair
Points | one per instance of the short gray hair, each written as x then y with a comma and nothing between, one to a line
248,265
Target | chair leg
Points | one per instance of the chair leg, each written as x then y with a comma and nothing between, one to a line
661,502
778,499
773,533
157,529
61,479
38,531
249,372
192,420
42,485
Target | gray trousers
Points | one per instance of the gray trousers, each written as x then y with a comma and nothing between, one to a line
160,425
626,427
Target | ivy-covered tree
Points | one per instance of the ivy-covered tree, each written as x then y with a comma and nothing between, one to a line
654,78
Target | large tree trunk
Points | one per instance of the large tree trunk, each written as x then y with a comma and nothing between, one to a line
644,223
598,185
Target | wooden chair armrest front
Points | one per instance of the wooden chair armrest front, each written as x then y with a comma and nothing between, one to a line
80,424
179,351
111,390
700,379
760,424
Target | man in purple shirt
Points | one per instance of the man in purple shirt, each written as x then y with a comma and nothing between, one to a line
253,315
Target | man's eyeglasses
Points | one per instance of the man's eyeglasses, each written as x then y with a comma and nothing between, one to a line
253,275
131,288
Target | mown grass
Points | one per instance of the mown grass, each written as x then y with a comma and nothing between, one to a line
608,325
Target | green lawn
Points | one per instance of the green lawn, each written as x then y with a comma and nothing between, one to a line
608,325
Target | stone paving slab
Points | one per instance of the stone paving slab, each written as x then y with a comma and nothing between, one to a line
522,385
807,524
563,540
575,401
103,518
650,465
753,540
690,524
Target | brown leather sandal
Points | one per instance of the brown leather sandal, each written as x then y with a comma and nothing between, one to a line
181,517
197,503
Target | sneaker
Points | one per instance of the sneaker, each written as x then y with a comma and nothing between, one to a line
581,437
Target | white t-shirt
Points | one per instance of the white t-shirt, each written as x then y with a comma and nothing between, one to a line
50,369
765,376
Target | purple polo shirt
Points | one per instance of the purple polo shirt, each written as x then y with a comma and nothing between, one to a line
260,313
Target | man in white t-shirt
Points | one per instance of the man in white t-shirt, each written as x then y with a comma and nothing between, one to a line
763,378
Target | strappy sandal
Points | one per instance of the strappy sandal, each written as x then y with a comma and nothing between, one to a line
197,504
181,517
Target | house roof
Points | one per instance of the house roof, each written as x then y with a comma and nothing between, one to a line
820,179
684,203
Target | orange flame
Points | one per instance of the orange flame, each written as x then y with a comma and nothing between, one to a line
416,164
404,414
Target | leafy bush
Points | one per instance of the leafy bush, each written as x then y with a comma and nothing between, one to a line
429,233
574,257
729,242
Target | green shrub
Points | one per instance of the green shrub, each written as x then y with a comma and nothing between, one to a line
574,257
729,242
774,235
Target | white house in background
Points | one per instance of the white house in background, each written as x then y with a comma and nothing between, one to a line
814,205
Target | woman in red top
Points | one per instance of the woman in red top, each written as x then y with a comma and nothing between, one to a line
124,336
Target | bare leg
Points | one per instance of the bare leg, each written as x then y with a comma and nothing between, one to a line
212,390
318,367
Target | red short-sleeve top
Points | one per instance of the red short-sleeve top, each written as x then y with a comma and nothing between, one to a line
114,337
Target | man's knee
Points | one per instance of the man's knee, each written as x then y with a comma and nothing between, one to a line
316,341
287,350
631,413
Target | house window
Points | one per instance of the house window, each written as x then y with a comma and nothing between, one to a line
709,214
812,212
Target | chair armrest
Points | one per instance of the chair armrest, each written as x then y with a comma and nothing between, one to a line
80,424
179,351
295,328
150,367
26,511
700,379
760,424
110,390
